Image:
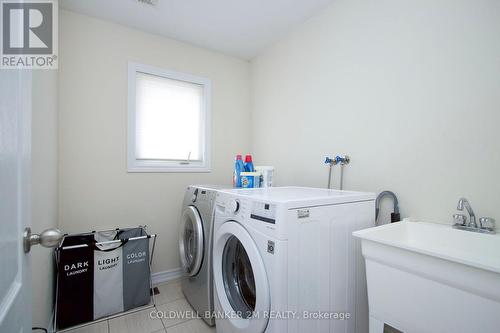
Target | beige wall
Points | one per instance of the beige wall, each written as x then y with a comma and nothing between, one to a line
410,89
44,188
95,190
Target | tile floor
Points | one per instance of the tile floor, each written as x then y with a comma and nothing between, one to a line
169,299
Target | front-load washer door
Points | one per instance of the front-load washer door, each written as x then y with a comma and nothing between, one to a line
240,279
191,241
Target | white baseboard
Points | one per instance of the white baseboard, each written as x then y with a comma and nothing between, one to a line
165,276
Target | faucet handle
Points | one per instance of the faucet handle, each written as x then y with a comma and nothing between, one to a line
487,223
459,219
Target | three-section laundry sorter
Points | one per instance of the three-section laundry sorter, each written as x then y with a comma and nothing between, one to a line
101,274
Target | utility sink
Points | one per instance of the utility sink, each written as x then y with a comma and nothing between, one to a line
428,277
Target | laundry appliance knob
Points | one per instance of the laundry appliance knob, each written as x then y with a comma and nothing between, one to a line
234,206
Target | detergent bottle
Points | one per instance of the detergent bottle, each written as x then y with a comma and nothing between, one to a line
238,169
249,164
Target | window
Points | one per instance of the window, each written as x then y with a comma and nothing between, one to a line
169,121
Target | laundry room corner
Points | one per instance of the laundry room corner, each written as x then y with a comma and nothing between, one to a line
94,185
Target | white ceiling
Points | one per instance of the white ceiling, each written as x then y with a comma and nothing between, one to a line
236,27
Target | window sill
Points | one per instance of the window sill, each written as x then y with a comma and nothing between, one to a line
168,169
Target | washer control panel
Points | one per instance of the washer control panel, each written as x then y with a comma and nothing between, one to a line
264,212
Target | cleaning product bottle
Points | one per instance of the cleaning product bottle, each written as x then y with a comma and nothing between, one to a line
248,164
238,169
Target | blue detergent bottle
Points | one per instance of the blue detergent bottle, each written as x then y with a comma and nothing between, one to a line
238,169
249,164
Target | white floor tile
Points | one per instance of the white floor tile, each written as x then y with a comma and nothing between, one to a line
169,292
138,322
176,312
100,327
192,326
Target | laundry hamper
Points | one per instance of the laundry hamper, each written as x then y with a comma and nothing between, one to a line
101,274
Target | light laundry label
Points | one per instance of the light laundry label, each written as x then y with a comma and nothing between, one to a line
108,281
107,263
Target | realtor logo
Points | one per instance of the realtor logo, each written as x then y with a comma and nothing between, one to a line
29,34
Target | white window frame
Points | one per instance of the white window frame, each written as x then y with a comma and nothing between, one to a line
139,165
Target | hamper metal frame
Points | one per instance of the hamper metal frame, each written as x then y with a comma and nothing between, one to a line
116,315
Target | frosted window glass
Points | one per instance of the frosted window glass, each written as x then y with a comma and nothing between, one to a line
168,118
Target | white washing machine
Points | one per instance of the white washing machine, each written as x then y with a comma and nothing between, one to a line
285,260
195,247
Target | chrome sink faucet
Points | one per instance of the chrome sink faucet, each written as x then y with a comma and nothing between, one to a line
464,202
486,224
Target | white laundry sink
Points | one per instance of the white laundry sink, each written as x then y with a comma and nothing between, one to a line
428,277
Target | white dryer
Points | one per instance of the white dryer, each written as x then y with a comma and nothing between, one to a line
195,247
285,260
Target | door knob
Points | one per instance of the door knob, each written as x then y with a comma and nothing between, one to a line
48,238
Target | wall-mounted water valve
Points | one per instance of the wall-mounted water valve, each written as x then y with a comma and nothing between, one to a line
340,160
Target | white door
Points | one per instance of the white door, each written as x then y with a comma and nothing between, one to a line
15,169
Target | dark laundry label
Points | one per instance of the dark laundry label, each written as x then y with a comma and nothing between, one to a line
75,281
